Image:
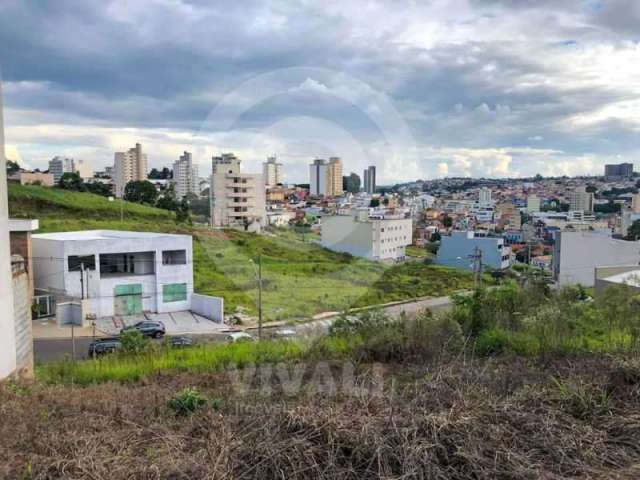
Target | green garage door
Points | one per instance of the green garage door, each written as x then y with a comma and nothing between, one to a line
174,292
128,299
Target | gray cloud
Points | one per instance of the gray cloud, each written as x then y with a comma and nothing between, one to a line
464,75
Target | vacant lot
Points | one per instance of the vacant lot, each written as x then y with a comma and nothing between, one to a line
300,278
506,418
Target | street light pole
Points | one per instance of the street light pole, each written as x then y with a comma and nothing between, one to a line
260,297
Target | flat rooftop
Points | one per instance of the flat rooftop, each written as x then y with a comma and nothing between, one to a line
631,278
90,235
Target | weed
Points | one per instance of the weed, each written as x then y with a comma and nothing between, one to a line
187,401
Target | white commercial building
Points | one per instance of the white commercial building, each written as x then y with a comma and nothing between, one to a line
577,254
185,176
381,237
129,166
272,172
58,166
118,273
236,198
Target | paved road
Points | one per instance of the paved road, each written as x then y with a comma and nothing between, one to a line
51,350
55,349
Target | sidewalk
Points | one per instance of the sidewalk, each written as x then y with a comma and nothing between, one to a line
49,329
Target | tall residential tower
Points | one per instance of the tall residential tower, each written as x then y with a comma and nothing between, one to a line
129,166
185,176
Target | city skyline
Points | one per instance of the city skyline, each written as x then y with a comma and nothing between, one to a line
485,88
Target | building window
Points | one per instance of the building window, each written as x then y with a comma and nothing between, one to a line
174,257
174,292
74,262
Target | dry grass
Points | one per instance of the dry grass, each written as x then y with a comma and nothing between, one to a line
491,419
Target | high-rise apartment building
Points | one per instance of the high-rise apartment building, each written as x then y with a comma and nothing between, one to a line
235,198
325,178
370,179
272,172
619,170
84,168
581,200
58,166
129,166
185,176
334,177
484,196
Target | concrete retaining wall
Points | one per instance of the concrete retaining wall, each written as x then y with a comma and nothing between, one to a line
208,307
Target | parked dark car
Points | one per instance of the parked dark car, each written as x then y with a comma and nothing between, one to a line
179,342
149,328
103,346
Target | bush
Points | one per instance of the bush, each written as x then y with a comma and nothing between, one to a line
492,342
431,336
187,401
134,342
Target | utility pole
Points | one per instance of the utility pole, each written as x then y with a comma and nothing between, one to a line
477,266
260,297
122,210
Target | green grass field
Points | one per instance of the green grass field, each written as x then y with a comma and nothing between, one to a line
300,278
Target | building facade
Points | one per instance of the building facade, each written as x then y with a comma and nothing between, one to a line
456,250
369,177
577,254
116,273
272,172
129,166
8,336
533,203
31,178
185,176
383,237
84,168
619,170
581,200
236,198
58,166
325,178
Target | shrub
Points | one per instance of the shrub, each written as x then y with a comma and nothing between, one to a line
133,341
430,336
187,401
492,342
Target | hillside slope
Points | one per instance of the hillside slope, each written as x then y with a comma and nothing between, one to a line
300,278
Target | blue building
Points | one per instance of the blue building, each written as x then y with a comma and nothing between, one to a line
456,251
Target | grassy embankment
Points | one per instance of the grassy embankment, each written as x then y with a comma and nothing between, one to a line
512,383
300,278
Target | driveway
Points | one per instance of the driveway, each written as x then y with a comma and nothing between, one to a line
176,323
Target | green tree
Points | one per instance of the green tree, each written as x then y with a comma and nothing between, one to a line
141,191
352,183
12,167
634,231
72,181
167,201
183,213
375,202
447,221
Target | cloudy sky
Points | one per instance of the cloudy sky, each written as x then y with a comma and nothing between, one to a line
421,89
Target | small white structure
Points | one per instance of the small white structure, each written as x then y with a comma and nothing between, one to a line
577,254
382,237
118,273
